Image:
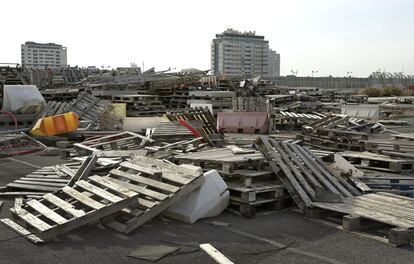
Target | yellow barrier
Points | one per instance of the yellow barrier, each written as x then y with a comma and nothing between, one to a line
56,125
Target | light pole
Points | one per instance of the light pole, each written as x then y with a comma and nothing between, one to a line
348,74
314,82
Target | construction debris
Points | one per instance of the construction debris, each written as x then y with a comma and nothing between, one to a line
321,150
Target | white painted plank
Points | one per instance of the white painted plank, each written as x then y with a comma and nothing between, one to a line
215,254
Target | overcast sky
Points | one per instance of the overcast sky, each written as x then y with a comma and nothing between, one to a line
328,36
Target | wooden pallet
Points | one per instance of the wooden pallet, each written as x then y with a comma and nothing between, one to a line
223,160
209,126
262,207
380,162
70,207
86,106
305,176
160,185
400,146
248,177
121,141
323,142
372,211
255,193
43,180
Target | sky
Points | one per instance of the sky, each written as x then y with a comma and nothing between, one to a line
332,37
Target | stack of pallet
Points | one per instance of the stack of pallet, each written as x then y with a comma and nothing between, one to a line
330,133
139,105
374,161
60,94
250,104
88,107
13,76
253,186
178,100
163,87
291,120
220,101
107,90
201,121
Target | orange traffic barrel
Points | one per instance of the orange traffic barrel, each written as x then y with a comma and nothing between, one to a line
56,125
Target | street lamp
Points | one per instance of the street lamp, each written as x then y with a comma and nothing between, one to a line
314,72
348,73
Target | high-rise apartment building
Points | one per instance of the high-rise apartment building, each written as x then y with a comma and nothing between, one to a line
274,64
234,53
39,55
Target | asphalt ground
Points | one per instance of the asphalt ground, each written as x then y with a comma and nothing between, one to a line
281,237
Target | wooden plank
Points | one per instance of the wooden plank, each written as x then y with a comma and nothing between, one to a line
44,210
146,170
365,213
391,201
184,190
65,169
21,230
57,180
308,163
82,198
113,186
298,163
150,182
178,174
84,169
329,176
140,189
32,187
31,219
391,209
20,193
98,191
215,254
65,206
304,185
50,184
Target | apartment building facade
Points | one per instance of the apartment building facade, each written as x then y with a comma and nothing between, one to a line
234,53
43,55
274,64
